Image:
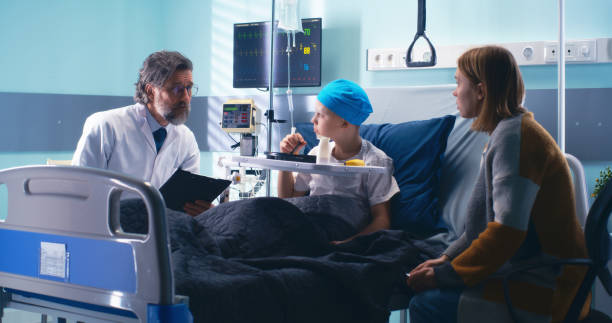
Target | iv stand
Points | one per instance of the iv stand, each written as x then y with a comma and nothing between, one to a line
270,112
561,79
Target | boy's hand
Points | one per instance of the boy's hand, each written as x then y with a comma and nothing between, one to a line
292,143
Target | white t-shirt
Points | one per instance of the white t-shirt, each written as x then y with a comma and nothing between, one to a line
374,188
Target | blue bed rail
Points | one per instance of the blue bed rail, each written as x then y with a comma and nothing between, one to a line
62,247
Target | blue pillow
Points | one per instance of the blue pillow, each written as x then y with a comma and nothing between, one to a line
417,149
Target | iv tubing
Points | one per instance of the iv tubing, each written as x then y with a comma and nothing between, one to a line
289,92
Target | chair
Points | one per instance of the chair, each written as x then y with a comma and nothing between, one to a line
580,190
598,245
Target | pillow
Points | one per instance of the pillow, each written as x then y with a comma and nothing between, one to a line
417,149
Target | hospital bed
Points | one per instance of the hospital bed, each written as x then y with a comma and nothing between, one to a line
65,255
133,278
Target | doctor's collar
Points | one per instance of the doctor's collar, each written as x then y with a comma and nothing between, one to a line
153,124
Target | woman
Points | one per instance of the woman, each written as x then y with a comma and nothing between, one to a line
521,210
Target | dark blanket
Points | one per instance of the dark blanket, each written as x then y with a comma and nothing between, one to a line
267,260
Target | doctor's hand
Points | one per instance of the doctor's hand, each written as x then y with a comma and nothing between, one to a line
337,242
292,143
197,207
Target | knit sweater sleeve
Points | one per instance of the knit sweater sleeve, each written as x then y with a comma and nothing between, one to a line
457,247
512,196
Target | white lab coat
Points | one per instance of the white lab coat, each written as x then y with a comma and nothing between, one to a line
121,140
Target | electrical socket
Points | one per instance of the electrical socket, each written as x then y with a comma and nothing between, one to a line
575,51
375,59
551,53
385,59
595,50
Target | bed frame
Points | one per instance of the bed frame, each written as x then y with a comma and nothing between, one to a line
56,216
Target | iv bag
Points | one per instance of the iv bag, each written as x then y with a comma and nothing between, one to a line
289,16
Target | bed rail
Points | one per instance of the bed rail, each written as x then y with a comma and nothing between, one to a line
62,240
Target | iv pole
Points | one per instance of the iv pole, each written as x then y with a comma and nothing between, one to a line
270,112
561,79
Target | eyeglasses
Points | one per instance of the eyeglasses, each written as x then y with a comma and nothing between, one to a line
178,90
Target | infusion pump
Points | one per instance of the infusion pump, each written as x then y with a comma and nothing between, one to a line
239,116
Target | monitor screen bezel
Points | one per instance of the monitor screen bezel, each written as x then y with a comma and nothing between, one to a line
276,84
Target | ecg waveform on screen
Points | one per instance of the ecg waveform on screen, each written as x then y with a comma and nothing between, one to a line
252,55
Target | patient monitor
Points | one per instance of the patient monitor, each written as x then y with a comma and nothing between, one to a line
239,116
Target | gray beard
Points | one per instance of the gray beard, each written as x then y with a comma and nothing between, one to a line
174,116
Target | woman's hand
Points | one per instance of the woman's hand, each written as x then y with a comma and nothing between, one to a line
292,143
423,279
431,263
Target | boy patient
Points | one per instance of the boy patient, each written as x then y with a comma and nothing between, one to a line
341,107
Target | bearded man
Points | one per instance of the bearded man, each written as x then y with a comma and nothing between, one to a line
147,140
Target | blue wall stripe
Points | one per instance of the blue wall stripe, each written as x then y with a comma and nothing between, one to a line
48,122
54,122
588,120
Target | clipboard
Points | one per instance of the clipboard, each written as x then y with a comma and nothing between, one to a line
184,187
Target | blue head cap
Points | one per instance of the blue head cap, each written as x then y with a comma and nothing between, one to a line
346,99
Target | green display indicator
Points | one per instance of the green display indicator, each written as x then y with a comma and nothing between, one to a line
230,108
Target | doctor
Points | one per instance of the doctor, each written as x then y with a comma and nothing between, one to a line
148,140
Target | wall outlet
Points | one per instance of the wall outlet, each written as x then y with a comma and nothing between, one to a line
386,59
551,53
575,51
582,51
